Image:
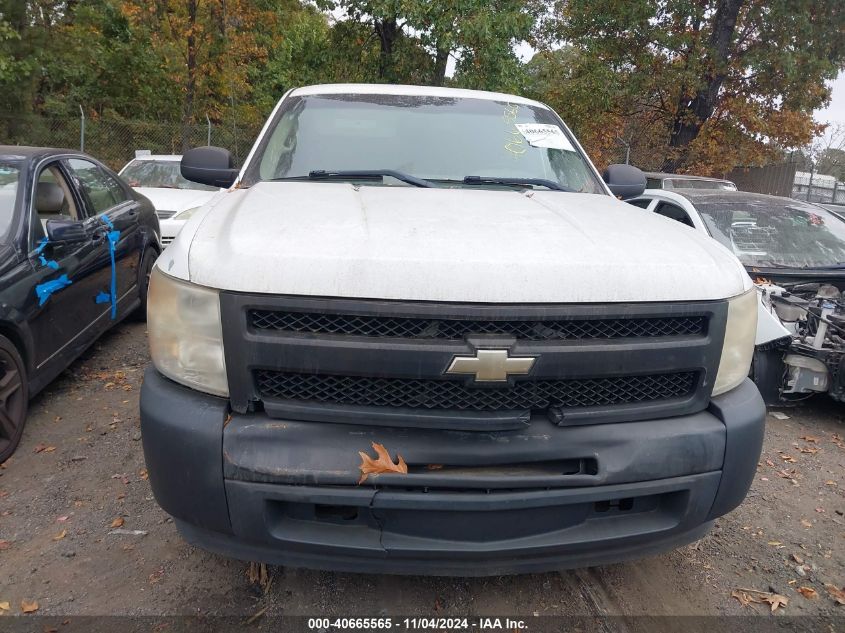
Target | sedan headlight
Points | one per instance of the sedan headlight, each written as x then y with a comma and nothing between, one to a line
738,347
186,338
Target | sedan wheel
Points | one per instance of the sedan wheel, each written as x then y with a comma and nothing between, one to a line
13,398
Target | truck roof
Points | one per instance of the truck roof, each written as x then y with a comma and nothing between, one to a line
424,91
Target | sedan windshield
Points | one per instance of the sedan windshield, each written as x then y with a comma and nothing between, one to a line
442,140
159,174
9,178
779,233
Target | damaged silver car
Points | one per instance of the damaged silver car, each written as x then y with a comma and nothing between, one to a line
795,252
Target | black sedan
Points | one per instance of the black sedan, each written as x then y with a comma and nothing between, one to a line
76,248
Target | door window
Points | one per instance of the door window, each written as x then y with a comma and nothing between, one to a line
674,212
53,200
102,190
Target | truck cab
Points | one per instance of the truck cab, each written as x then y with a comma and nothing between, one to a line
558,379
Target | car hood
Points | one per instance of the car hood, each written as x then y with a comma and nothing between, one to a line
175,200
472,245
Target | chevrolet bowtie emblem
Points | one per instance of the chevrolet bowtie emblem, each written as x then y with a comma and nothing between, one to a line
491,365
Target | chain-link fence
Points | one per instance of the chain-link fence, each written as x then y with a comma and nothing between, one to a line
114,141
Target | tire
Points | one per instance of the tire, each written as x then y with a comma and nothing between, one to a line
14,398
144,270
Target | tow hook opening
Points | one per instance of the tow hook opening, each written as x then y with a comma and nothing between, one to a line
335,513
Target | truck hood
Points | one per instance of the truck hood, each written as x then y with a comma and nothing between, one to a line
468,245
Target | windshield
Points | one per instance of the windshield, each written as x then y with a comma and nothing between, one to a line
440,139
159,173
9,178
777,233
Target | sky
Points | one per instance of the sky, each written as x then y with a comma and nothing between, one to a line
835,112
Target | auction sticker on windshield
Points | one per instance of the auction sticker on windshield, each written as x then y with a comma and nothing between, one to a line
545,135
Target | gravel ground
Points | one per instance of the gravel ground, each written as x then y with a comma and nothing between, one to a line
76,490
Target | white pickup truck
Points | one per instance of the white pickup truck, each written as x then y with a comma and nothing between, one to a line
443,273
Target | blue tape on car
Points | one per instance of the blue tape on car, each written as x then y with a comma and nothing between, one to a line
112,236
42,245
49,263
49,287
103,297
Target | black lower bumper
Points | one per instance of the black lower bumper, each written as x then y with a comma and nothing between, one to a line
544,497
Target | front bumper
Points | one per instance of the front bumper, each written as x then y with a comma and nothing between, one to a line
544,497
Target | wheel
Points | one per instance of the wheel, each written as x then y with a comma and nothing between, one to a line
14,398
144,272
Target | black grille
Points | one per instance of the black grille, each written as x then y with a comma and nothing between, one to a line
447,394
454,329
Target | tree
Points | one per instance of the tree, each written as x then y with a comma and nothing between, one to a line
727,81
481,34
416,38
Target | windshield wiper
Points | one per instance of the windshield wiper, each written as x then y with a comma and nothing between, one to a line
367,174
517,181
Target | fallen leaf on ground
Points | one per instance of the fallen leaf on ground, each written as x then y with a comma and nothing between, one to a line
770,463
43,448
788,458
4,544
747,596
806,523
744,598
257,574
809,438
778,415
837,594
5,606
143,474
812,450
776,600
62,519
775,543
830,482
29,607
384,463
60,535
798,559
808,592
118,522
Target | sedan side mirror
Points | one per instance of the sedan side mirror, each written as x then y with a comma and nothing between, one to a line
624,181
66,230
209,166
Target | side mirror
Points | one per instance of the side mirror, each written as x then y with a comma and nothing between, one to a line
66,231
624,181
209,166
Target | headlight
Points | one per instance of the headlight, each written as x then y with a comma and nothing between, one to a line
186,338
187,213
738,348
